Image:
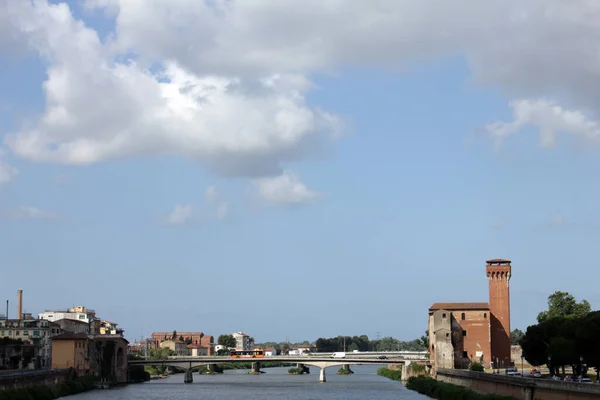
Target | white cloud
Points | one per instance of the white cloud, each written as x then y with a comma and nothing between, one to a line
214,198
285,189
225,82
7,172
29,212
180,215
549,118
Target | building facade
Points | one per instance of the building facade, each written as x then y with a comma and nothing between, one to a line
79,313
243,341
195,338
179,347
461,333
32,332
70,350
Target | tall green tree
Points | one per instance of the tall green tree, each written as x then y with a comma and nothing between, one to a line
515,336
563,304
227,341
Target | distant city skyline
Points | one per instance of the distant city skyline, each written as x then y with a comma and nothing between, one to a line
331,170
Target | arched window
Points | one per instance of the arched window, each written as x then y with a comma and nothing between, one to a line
462,316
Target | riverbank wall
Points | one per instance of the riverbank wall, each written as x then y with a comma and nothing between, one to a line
32,378
520,388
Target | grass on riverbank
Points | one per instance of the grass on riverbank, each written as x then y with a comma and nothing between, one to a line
442,390
394,374
51,392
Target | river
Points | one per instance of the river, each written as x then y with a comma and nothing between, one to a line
274,384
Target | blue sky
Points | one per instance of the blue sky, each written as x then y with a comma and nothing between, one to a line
224,182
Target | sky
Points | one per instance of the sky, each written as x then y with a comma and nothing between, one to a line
296,171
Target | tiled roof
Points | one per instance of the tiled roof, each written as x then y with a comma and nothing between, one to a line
70,336
459,306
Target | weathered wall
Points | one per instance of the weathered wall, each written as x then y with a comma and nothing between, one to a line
520,388
32,378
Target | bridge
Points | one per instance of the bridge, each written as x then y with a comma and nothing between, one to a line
321,362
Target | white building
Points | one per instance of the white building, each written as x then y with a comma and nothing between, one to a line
78,313
243,341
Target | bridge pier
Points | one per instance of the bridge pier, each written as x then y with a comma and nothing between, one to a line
322,377
256,367
189,376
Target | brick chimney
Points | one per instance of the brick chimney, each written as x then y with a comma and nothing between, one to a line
19,304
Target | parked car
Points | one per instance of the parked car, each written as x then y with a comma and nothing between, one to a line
536,374
511,371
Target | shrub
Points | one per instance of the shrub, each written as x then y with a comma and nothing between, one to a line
475,366
394,374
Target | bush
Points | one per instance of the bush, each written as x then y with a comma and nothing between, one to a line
475,366
394,374
441,390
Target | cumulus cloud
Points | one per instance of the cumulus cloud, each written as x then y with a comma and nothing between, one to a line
285,189
225,82
30,212
180,215
550,118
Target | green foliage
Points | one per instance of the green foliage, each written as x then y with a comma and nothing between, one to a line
222,352
362,343
394,374
77,385
417,368
475,366
441,390
345,371
515,337
227,341
563,304
564,339
298,371
161,353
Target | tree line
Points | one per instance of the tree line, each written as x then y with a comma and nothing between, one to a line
363,343
567,334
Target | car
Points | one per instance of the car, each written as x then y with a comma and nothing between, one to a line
511,371
586,380
536,374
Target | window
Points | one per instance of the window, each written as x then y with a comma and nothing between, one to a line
444,315
465,354
484,315
462,316
25,333
447,335
464,333
36,333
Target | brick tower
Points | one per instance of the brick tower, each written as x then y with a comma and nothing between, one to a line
498,272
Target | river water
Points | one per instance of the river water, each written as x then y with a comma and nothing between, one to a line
275,384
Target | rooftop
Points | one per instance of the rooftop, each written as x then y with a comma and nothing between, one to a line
498,260
70,336
459,306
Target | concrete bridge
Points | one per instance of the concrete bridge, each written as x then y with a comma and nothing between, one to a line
188,363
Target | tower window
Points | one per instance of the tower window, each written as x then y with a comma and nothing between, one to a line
462,316
447,335
464,333
444,315
465,354
484,315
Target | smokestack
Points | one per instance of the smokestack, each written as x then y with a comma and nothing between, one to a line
7,309
19,304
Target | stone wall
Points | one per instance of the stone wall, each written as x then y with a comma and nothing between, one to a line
520,388
31,378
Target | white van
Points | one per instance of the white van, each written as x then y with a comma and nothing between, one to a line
338,354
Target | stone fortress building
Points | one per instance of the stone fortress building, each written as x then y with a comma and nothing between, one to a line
461,333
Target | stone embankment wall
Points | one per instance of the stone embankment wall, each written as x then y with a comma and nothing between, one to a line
518,387
25,379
